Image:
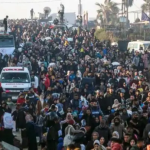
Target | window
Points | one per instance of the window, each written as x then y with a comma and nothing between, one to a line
6,42
135,46
14,77
146,45
130,46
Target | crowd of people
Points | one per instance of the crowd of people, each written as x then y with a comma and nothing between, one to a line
85,93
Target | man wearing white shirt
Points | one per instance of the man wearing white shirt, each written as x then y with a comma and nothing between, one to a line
36,82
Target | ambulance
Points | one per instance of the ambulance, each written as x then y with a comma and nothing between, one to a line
13,81
139,46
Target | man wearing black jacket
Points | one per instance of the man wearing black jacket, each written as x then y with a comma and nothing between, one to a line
52,135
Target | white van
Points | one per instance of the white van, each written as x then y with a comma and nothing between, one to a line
136,45
13,81
7,44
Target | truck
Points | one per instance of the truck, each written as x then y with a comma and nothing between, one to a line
7,44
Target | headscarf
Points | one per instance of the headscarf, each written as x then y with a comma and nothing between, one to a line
69,115
117,134
70,120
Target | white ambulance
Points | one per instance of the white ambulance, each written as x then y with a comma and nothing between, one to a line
14,80
139,46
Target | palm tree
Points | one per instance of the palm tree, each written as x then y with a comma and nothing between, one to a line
146,6
107,12
127,4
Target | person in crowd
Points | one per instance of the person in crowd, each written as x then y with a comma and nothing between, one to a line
5,22
1,90
95,136
103,131
21,99
126,141
139,145
41,103
31,134
102,141
132,143
96,145
116,104
116,144
117,126
52,135
7,121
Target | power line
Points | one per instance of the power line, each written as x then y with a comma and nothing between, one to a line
45,1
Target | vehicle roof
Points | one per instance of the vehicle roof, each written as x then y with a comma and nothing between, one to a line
25,69
140,42
6,35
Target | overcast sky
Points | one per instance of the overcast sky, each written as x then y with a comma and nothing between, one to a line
22,10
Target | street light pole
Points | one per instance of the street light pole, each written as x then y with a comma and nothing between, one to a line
79,7
80,16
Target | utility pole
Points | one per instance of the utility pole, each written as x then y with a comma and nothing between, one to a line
80,7
127,5
80,15
122,8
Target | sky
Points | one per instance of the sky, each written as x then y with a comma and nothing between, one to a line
21,8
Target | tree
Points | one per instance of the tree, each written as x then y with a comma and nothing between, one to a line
107,12
127,3
146,6
102,34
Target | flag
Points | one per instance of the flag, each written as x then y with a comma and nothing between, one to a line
145,17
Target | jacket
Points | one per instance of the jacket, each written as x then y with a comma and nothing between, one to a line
119,129
90,145
52,134
134,148
20,100
89,120
146,130
21,122
47,82
39,120
60,143
104,131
